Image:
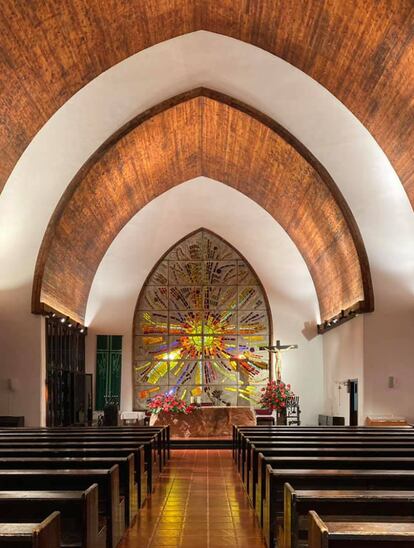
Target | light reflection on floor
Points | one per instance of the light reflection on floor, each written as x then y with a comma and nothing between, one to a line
199,503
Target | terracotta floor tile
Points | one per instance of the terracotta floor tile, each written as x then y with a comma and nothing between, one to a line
199,503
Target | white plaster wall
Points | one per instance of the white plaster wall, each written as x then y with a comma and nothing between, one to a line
389,351
21,364
244,224
343,356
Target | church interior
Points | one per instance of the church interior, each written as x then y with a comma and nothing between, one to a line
206,273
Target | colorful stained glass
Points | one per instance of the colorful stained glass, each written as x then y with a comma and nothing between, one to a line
200,322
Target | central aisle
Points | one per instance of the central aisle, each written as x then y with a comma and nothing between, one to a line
199,502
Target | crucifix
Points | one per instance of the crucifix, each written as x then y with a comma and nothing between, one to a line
277,349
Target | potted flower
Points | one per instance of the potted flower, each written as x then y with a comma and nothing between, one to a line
275,397
169,403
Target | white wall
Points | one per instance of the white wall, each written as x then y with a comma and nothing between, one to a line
389,351
254,233
343,356
21,364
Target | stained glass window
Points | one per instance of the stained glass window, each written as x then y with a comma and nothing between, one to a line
200,321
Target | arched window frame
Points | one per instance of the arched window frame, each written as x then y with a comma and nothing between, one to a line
243,385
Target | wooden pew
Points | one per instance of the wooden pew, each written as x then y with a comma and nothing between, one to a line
316,452
311,431
249,468
82,450
127,485
162,434
79,519
111,504
257,438
359,534
149,444
276,431
140,437
324,479
320,463
397,505
32,535
291,441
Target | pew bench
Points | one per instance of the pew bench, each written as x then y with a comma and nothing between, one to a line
111,504
162,433
362,534
339,506
330,463
251,466
324,479
336,441
159,456
32,535
80,524
239,431
143,468
367,448
127,485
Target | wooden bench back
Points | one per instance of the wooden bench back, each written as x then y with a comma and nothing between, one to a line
45,534
341,504
358,534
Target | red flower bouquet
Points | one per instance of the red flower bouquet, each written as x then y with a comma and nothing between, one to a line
169,404
275,395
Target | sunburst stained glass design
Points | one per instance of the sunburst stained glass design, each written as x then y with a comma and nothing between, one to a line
200,321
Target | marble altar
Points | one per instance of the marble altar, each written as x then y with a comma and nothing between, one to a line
205,422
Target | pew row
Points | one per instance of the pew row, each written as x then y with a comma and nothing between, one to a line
238,431
32,535
80,524
320,463
273,505
111,505
327,440
127,485
339,506
161,432
143,472
364,534
319,448
300,458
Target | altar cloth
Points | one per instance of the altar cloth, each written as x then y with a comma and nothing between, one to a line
205,422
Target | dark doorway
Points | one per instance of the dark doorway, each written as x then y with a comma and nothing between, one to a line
353,402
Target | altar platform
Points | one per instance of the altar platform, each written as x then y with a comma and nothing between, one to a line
205,424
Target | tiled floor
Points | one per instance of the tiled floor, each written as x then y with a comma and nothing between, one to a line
199,503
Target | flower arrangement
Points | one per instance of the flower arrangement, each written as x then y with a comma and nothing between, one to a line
275,395
169,404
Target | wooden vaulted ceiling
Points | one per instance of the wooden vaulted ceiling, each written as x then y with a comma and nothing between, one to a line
201,133
360,50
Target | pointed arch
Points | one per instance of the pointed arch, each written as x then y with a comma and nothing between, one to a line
200,320
202,132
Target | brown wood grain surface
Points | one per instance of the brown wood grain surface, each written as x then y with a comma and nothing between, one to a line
202,133
362,51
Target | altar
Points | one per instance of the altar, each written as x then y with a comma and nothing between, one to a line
205,422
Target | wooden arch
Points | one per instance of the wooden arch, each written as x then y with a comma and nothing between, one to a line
202,133
362,51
